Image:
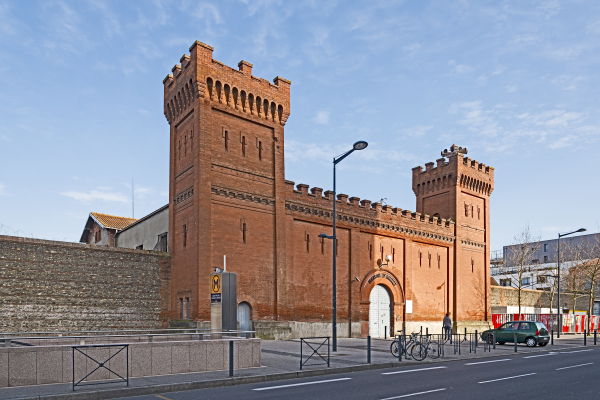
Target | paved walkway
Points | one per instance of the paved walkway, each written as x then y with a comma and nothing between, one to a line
280,360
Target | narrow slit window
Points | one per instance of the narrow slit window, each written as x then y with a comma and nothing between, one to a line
393,255
439,261
184,235
472,265
226,139
381,253
429,259
472,212
244,230
260,150
244,146
307,242
420,259
322,245
370,252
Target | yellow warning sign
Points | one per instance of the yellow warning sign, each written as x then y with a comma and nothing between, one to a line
215,289
215,284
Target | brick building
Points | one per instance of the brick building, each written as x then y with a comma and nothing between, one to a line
229,196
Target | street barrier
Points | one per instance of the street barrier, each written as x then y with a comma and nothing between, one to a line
318,345
101,364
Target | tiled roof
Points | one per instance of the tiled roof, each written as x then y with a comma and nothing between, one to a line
112,221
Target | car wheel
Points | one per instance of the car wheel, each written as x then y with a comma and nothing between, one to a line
530,342
501,342
543,344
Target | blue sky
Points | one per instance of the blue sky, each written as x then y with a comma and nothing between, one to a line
516,82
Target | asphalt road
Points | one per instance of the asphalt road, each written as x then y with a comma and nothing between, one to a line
560,374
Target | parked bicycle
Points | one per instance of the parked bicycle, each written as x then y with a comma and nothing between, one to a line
416,348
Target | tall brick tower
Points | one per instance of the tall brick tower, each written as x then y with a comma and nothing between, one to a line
226,143
460,189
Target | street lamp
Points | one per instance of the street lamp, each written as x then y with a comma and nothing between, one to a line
559,307
360,145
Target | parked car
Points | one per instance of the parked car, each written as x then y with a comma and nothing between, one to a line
529,332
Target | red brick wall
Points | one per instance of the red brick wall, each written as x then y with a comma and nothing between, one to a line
219,183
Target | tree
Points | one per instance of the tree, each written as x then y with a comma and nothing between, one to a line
575,277
591,270
518,262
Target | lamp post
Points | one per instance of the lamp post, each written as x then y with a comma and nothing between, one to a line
559,307
360,145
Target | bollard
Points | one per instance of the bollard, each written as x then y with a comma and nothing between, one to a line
515,342
476,338
595,334
400,348
584,337
231,358
552,337
427,331
385,333
494,337
369,349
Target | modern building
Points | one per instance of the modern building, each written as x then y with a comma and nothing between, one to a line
229,197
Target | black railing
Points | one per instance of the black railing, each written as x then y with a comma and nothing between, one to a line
315,346
101,364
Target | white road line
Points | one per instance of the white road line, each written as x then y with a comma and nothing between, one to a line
574,366
302,384
576,351
542,355
412,394
510,377
485,362
411,370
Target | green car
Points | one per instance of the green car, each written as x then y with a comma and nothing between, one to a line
528,332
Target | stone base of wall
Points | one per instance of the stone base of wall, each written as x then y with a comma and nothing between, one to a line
21,366
472,326
284,330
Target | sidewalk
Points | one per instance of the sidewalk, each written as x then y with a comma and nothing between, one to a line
280,360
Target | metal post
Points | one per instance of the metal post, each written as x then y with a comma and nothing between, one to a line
476,338
595,334
385,333
301,340
231,358
515,342
584,337
426,331
494,336
552,337
368,349
559,307
73,348
328,355
334,266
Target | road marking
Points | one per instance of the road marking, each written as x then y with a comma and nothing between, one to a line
162,397
576,351
574,366
413,394
542,355
485,362
410,370
302,384
510,377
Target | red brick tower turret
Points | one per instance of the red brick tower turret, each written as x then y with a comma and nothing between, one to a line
460,189
226,142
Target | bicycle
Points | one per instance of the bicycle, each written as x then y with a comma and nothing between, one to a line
394,346
426,348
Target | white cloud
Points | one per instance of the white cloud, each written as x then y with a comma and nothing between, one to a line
511,88
2,190
322,117
499,69
462,68
416,131
102,194
412,49
563,142
567,82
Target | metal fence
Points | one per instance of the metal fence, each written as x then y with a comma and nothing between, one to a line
100,364
314,344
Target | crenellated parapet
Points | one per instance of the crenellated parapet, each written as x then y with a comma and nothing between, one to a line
315,203
228,89
458,170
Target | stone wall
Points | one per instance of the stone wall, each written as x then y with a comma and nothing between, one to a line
60,286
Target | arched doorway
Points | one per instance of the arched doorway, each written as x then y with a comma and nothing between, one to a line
243,316
379,311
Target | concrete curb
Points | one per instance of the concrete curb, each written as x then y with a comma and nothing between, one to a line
242,380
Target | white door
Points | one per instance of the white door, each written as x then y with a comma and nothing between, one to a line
379,312
243,316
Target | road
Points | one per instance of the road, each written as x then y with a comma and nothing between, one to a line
560,374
